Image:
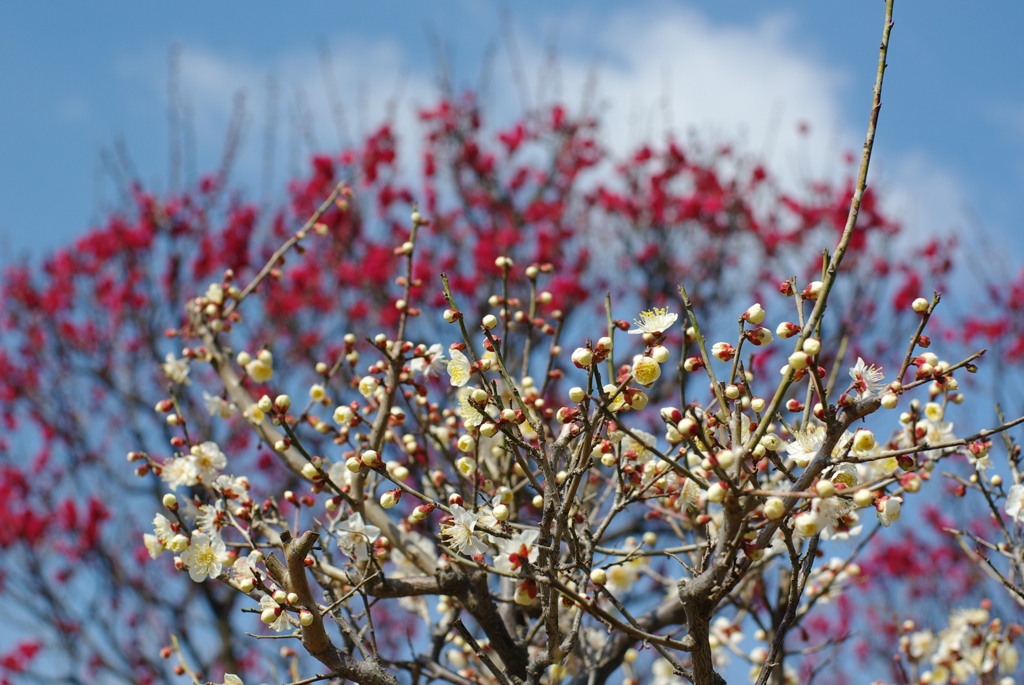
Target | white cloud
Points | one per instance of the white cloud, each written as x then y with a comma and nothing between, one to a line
659,67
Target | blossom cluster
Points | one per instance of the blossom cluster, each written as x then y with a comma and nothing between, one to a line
451,458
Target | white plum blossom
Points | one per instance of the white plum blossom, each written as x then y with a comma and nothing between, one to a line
1015,502
282,623
233,487
516,550
354,537
254,415
205,556
367,386
656,320
176,369
805,444
664,673
244,572
154,545
470,415
208,460
458,532
867,380
936,433
459,368
922,643
848,526
178,471
218,406
888,510
431,363
210,518
162,533
162,527
215,293
642,447
622,577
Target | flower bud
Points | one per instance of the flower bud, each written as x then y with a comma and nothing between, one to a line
367,386
693,364
599,576
812,346
283,402
270,614
577,394
863,497
723,351
888,509
825,489
863,440
919,305
421,512
671,415
466,466
889,400
390,498
759,336
489,322
501,512
488,429
812,290
343,415
466,443
774,508
799,360
660,354
787,329
305,617
754,314
179,543
354,464
726,458
170,502
370,459
309,471
716,493
582,357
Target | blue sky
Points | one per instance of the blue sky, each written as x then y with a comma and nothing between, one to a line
78,76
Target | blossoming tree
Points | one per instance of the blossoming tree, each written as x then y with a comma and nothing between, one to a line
473,487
